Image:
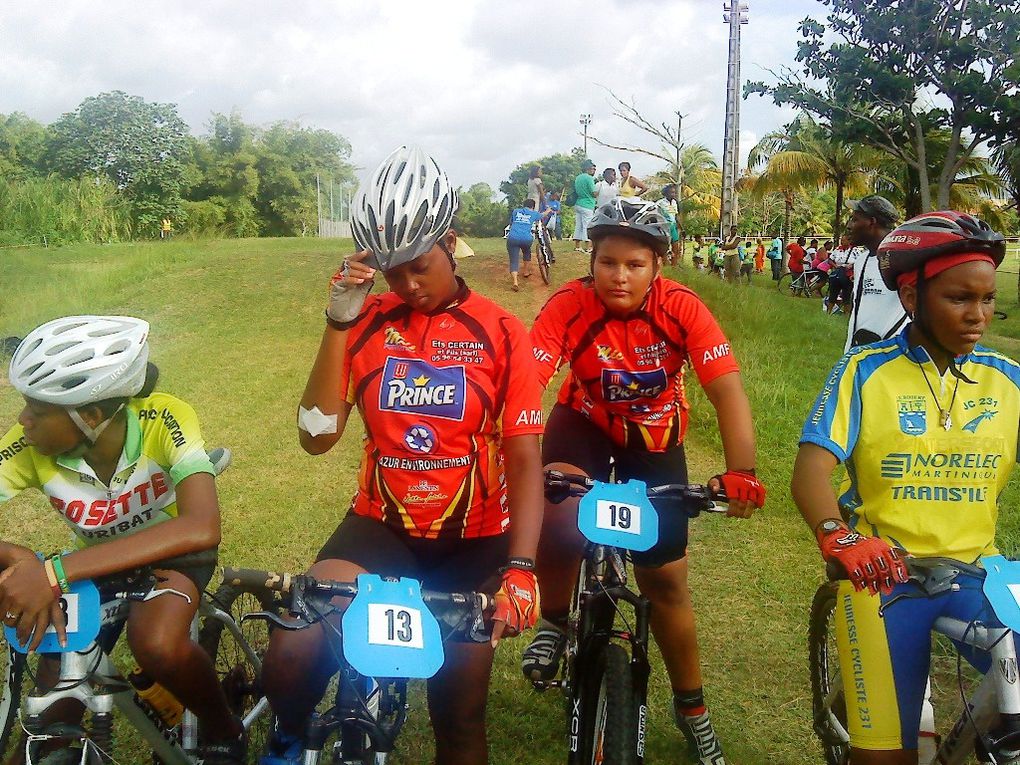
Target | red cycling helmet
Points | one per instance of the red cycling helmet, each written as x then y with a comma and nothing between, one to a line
931,235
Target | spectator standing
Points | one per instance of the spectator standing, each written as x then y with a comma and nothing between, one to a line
877,312
166,230
841,279
536,189
775,255
759,257
519,239
746,260
630,186
607,189
668,207
584,203
731,257
796,252
697,256
555,222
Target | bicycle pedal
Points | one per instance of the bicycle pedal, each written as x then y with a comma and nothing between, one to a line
544,685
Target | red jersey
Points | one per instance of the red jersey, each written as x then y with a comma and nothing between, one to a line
437,393
797,254
627,375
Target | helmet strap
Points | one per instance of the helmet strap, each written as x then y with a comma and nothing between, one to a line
92,434
444,248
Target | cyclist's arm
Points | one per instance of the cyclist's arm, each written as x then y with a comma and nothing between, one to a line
733,413
524,493
323,391
640,185
811,484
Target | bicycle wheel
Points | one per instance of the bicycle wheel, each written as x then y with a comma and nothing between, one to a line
786,284
609,721
12,667
544,256
828,704
241,682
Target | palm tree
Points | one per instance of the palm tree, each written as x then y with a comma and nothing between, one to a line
702,180
1007,162
807,157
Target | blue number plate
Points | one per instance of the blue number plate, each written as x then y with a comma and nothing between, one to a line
619,514
81,609
1002,589
390,632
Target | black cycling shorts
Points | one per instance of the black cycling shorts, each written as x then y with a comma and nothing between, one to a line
572,438
446,565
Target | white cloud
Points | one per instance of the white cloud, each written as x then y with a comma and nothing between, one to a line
483,86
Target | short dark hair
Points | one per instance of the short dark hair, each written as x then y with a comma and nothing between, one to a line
624,164
533,171
529,202
801,241
607,171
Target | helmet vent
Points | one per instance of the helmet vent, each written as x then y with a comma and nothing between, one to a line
69,327
74,382
391,210
42,377
104,331
59,348
118,347
400,171
418,222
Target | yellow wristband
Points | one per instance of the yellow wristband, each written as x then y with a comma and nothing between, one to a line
51,576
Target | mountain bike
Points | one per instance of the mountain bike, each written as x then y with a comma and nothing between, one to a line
808,283
390,632
544,254
989,722
36,688
604,670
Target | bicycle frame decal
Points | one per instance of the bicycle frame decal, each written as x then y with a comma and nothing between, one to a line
82,612
390,632
1002,589
619,515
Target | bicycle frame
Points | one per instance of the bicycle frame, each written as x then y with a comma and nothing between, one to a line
91,678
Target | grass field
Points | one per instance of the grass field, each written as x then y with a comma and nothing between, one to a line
235,325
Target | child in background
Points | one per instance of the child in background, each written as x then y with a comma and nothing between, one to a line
697,256
746,260
759,257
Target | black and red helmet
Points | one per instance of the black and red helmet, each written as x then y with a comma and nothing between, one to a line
931,235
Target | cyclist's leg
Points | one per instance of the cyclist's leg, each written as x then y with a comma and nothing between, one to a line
159,634
884,666
513,250
298,665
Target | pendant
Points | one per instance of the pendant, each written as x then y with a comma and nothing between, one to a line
945,420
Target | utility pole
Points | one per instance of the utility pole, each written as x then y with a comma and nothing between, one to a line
734,14
680,186
585,122
318,202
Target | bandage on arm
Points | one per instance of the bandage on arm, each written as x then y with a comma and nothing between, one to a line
315,422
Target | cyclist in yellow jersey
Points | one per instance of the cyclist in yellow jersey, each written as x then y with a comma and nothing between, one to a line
926,423
126,469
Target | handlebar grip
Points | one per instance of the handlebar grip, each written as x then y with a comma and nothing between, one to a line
253,579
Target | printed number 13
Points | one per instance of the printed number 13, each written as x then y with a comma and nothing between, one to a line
401,632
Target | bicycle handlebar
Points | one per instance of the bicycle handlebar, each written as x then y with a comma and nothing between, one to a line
696,498
933,576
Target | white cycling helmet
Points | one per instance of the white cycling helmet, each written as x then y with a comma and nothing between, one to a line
403,209
79,360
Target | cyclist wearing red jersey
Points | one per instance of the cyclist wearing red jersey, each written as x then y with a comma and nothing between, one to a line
127,471
450,482
627,334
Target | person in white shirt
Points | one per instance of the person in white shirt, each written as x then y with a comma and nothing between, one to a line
607,189
841,279
877,313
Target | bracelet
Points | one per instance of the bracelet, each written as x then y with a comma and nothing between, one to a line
525,564
51,576
58,569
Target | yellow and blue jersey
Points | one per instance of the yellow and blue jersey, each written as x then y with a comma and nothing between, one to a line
927,489
163,446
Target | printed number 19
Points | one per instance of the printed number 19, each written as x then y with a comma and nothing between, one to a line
620,516
401,632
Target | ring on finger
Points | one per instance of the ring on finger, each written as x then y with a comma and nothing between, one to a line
11,617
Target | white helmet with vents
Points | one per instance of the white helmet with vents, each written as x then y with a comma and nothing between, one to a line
79,360
403,209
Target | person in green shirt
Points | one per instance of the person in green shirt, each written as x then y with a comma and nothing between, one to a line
584,204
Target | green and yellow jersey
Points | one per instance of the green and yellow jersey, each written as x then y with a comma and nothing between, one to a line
163,446
924,483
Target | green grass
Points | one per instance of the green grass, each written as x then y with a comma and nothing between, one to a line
235,327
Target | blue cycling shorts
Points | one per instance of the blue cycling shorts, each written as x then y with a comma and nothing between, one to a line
885,659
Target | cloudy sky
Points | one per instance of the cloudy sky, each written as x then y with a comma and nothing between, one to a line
482,85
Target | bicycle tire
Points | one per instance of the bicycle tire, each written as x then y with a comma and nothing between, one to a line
828,705
785,284
609,722
242,687
11,674
544,257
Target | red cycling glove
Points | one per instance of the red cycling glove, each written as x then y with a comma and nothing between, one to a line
868,561
743,486
517,600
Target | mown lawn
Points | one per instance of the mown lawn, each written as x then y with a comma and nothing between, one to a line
235,327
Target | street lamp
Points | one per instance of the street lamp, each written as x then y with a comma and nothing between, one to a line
585,122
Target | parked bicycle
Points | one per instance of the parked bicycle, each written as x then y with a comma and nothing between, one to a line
39,725
809,283
390,632
989,722
604,670
544,255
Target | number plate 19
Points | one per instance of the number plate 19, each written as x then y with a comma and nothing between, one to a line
388,631
619,514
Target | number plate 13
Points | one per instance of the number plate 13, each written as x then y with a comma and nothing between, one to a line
388,631
81,615
619,514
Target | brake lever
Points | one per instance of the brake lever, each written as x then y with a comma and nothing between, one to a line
266,616
152,594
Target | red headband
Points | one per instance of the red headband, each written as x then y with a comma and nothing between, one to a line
936,266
